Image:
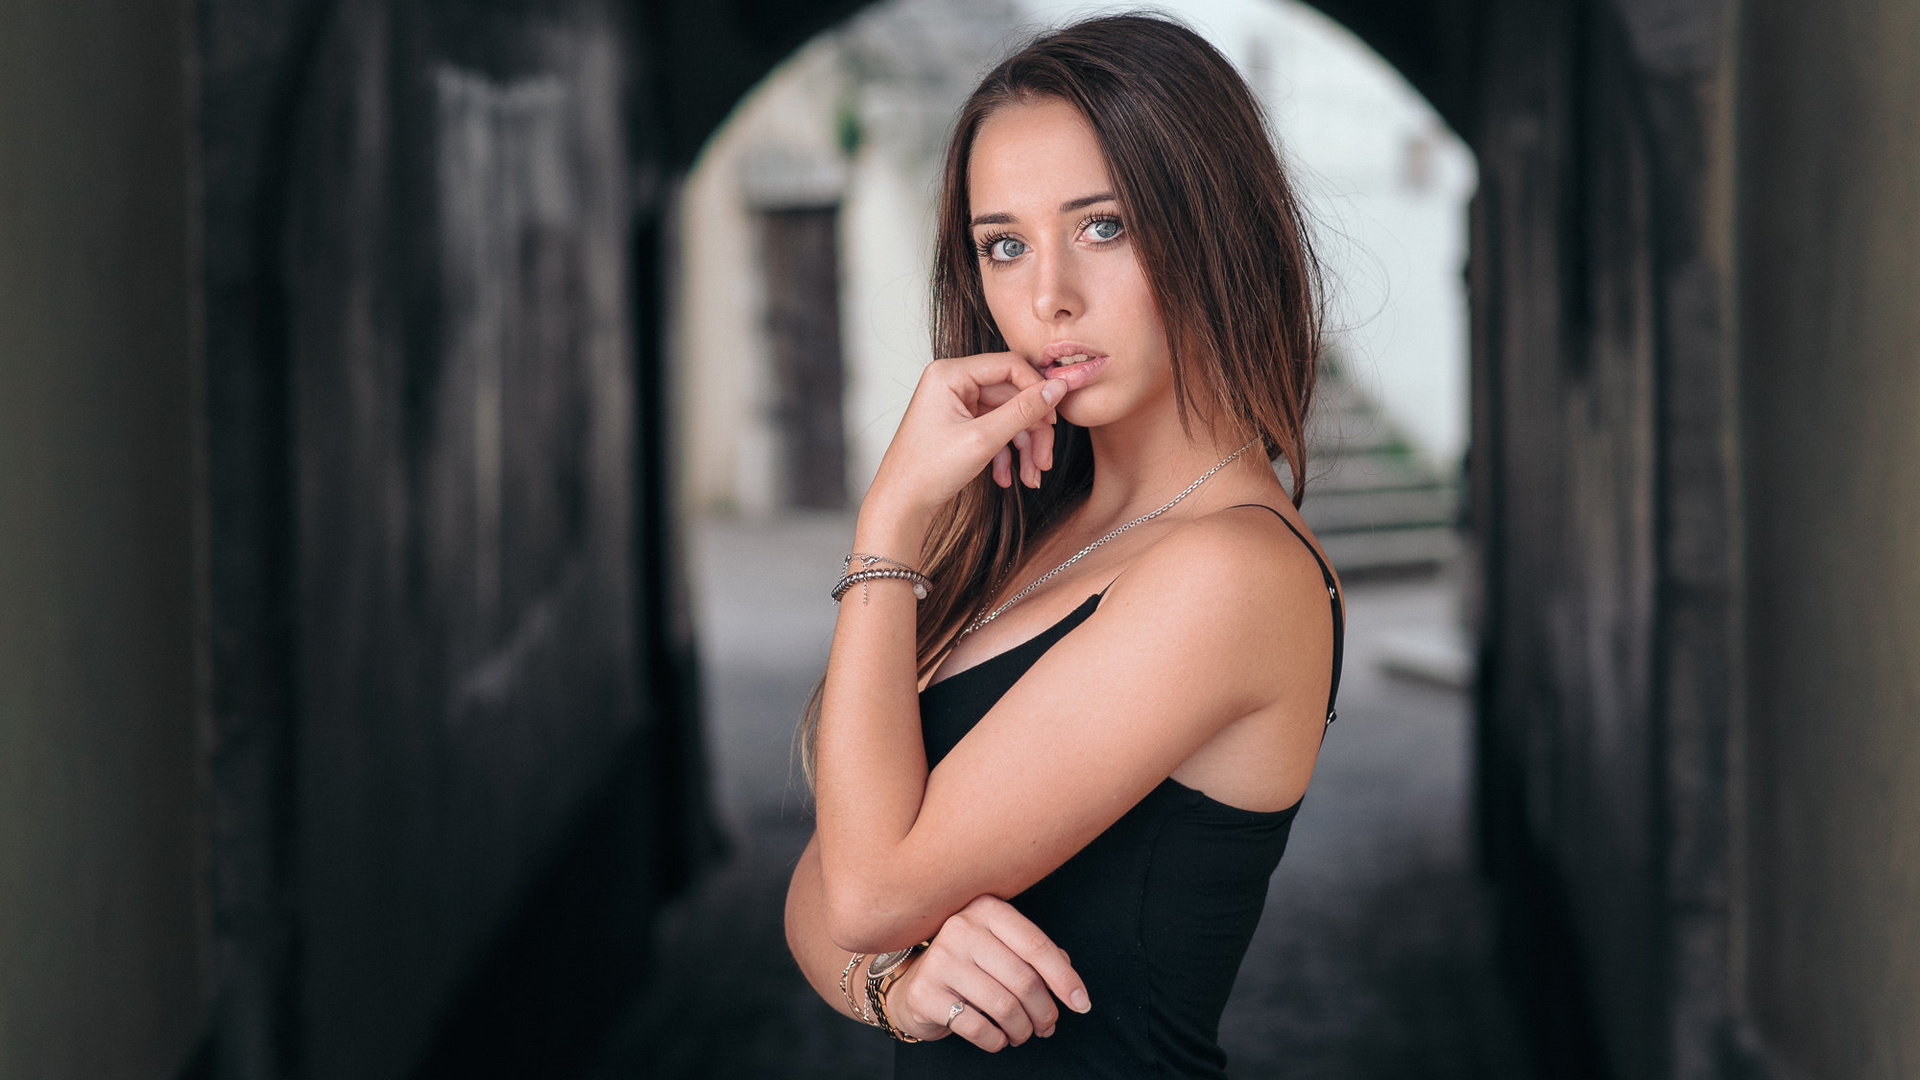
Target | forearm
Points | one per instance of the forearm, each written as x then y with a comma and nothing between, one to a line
820,960
870,766
988,932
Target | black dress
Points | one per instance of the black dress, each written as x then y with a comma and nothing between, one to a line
1156,912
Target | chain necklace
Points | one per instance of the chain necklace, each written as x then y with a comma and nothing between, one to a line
982,620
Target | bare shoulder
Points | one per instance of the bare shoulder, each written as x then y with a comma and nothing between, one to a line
1240,559
1234,594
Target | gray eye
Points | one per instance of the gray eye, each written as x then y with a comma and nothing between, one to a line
1104,229
1007,248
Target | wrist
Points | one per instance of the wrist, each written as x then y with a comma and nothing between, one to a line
883,973
893,1002
895,529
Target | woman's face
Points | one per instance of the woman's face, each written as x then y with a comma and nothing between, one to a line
1058,264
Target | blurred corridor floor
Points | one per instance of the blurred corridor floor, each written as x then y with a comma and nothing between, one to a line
1374,957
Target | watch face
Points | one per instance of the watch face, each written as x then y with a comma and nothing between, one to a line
886,962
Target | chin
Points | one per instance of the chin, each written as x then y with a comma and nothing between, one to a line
1086,414
1097,406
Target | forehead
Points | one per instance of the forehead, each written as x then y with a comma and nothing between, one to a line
1034,155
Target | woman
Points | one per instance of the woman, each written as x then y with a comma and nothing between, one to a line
1070,767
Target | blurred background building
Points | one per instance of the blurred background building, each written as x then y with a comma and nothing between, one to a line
350,684
825,177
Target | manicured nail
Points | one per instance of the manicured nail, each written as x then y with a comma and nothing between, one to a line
1080,1002
1050,392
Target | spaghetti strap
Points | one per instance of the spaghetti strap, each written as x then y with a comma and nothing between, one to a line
1333,598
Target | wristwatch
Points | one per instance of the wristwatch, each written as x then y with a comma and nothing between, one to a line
882,972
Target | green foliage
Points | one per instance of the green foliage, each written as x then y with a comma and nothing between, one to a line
846,128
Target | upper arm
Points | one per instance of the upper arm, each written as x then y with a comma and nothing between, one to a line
1211,625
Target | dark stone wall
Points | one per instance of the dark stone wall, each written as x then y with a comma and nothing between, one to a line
1829,214
1606,495
468,619
455,757
254,61
440,634
103,936
1563,247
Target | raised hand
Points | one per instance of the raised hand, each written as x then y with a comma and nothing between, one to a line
1005,970
968,414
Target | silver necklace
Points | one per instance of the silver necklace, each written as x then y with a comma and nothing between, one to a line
982,620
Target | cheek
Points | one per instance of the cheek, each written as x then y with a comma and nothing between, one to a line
1125,289
1005,309
1143,314
1145,302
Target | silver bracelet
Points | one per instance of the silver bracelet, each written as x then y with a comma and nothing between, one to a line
861,577
876,568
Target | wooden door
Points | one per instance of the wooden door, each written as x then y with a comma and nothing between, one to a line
800,253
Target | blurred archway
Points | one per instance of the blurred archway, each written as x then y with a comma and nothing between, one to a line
840,147
340,379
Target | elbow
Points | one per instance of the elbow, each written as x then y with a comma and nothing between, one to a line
795,920
861,918
850,915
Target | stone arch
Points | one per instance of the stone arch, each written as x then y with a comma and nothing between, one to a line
1604,486
1604,500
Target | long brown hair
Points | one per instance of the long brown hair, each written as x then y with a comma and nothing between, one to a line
1220,239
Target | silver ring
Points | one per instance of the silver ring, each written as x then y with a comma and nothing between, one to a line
954,1013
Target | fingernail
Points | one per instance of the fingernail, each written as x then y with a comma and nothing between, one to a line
1080,1002
1047,1034
1050,392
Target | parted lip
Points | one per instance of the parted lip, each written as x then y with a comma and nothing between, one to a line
1067,348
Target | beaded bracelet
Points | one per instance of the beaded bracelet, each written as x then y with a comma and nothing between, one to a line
861,577
877,568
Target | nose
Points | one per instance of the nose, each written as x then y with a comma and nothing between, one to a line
1056,287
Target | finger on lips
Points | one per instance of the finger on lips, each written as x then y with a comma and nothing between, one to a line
987,369
1016,369
1027,410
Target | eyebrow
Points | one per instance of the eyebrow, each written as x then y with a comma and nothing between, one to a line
1068,207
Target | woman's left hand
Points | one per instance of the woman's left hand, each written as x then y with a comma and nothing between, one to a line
990,976
967,414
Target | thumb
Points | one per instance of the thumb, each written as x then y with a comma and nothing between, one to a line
1025,409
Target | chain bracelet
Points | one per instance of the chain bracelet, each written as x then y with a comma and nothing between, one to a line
859,1013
